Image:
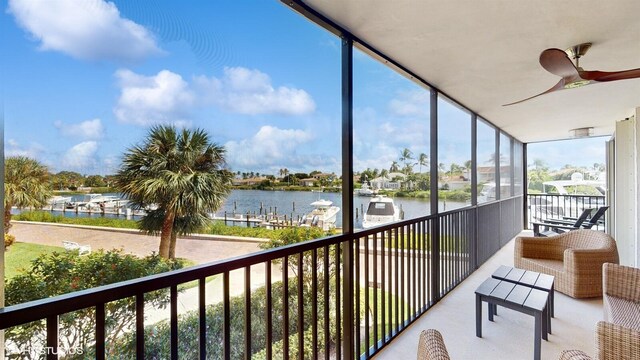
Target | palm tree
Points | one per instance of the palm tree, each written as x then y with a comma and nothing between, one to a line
26,184
182,173
406,156
423,160
394,167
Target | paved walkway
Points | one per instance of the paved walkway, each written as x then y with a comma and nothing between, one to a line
197,250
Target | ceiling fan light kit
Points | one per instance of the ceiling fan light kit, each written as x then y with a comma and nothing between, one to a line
572,76
581,132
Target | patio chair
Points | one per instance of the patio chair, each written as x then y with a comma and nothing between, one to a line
555,226
431,346
575,259
594,220
613,342
621,295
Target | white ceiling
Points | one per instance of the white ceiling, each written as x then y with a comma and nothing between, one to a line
485,54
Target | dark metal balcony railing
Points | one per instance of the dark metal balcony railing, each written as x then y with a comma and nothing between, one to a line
544,206
397,272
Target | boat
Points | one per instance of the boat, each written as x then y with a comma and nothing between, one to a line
59,200
323,215
365,190
99,201
381,210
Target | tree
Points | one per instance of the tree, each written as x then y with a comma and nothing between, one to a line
180,172
406,156
67,180
394,167
94,181
26,184
423,160
64,272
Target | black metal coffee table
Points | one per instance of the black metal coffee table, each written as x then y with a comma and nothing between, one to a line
525,299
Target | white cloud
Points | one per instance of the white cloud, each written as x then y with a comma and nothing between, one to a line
81,156
250,92
89,129
84,29
145,100
410,103
14,148
269,146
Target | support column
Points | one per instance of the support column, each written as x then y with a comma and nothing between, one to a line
347,198
2,227
433,184
627,193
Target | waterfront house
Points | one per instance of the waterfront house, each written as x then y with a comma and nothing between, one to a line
308,182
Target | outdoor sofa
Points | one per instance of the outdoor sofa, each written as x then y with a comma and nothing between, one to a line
574,258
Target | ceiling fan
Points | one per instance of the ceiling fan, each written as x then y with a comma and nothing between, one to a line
557,62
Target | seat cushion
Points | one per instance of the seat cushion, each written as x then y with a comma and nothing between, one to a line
622,312
545,266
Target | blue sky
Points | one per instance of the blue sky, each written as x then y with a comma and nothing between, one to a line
84,80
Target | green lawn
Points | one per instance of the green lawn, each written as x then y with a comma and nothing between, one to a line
21,254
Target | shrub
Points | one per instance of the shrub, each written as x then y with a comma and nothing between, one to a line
39,216
60,273
157,344
8,240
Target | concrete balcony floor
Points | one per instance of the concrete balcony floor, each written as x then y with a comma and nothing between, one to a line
511,335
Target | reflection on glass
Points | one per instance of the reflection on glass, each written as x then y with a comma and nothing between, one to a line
505,166
518,170
486,155
454,156
391,145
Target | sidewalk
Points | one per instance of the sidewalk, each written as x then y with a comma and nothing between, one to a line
197,250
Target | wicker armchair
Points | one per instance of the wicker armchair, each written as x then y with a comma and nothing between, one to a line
621,292
431,346
575,259
613,342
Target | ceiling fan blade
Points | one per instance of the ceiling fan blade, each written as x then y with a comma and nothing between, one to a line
556,87
558,63
610,76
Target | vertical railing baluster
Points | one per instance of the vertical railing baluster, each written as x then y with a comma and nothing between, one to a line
397,283
414,273
202,313
366,295
356,291
52,337
247,313
338,311
100,331
268,310
174,321
226,331
285,307
314,302
327,348
140,326
300,308
403,297
390,285
383,294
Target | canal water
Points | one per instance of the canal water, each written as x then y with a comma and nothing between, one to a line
297,203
